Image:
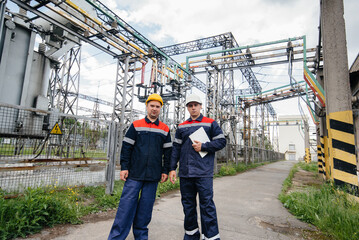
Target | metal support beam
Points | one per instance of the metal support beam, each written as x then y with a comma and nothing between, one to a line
124,92
198,45
211,94
65,79
180,108
57,23
247,133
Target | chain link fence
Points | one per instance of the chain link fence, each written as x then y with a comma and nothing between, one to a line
40,148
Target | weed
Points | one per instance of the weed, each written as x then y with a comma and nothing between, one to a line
166,186
232,169
50,205
35,209
325,207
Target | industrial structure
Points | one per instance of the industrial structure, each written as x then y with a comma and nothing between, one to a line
40,128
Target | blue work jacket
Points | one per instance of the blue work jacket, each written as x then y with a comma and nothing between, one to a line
191,164
146,150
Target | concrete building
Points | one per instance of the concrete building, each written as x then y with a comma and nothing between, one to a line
291,137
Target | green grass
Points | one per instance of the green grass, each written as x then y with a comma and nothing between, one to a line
166,187
37,208
9,150
325,207
232,168
311,167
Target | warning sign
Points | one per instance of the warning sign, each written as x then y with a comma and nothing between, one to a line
56,130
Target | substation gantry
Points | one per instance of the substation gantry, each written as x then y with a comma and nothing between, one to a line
219,89
64,24
228,104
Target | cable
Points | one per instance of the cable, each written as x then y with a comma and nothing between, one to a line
296,69
299,130
276,75
101,66
292,79
313,110
91,56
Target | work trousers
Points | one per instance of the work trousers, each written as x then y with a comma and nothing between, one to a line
133,209
209,225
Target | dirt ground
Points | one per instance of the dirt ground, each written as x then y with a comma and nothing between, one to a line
301,179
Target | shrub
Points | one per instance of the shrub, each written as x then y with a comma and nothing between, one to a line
37,208
226,170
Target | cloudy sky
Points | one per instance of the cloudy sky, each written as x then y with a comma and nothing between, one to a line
251,21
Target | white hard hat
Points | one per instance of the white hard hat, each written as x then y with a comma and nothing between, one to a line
193,98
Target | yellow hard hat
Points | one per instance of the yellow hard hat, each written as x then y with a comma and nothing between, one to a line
154,97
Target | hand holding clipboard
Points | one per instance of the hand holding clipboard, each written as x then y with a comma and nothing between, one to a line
201,136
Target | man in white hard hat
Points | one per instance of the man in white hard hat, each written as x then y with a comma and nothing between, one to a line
195,171
145,156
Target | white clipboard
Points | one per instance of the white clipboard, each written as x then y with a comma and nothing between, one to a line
201,136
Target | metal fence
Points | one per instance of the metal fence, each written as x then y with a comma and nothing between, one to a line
234,153
40,148
248,154
253,154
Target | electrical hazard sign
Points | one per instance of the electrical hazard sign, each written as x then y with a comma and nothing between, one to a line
56,130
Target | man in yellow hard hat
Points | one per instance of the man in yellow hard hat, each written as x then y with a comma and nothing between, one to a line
146,143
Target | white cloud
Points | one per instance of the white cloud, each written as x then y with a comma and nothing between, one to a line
250,21
98,74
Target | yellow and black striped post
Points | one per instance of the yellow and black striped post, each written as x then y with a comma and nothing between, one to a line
342,150
324,148
308,157
323,157
320,160
328,160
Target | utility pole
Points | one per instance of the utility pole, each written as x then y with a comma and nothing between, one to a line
339,114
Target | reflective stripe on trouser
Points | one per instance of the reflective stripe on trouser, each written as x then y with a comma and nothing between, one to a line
212,238
133,210
209,225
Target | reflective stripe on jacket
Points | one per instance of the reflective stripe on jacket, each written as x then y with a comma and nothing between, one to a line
191,164
146,150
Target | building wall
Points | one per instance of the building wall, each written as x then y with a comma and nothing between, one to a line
354,85
291,134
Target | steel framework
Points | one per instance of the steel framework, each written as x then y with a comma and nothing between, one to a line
220,91
73,22
64,82
69,81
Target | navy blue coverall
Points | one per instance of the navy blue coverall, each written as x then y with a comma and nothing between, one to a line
145,153
196,176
